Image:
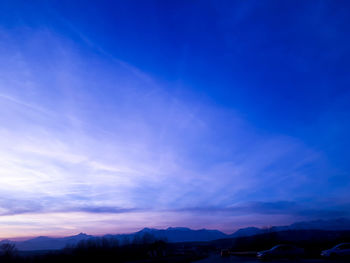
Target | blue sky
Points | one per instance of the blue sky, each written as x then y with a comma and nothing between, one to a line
119,115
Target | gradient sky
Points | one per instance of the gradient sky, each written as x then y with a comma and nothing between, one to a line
119,115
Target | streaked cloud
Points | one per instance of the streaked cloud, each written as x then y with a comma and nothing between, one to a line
91,143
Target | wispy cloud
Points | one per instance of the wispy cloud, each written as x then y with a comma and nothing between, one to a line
306,209
88,135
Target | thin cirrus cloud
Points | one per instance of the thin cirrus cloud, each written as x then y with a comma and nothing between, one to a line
87,139
278,208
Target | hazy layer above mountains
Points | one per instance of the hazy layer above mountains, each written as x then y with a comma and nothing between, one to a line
177,234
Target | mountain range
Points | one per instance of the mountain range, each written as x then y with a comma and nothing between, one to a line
176,234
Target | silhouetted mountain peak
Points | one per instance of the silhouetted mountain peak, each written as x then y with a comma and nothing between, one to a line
248,231
178,229
39,238
76,238
330,224
183,234
147,229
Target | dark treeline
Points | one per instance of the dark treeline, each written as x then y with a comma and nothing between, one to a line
142,248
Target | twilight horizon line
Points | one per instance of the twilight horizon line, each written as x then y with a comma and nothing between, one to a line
335,224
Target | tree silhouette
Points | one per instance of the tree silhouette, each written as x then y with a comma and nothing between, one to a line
8,250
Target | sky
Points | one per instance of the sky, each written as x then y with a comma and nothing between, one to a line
119,115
